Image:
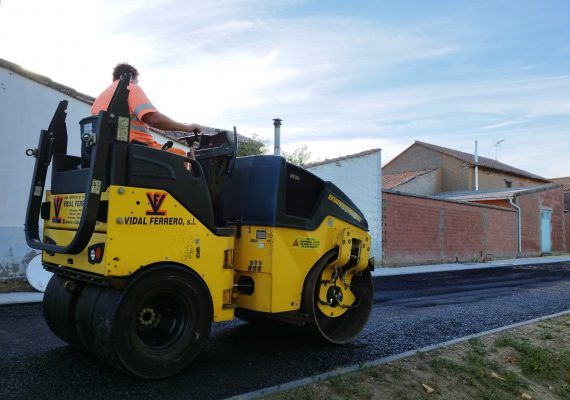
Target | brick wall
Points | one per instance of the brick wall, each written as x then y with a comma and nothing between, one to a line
424,230
531,206
421,230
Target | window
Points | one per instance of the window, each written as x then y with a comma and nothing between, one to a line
302,190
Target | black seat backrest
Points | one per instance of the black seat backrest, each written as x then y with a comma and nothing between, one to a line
268,191
157,169
251,193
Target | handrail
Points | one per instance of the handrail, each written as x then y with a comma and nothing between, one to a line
109,122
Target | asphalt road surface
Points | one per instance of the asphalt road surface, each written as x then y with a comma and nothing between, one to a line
410,311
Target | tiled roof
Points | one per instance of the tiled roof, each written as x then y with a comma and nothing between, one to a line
484,162
334,160
565,182
390,181
495,194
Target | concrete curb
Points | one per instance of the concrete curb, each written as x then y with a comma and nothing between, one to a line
36,297
420,269
342,371
20,298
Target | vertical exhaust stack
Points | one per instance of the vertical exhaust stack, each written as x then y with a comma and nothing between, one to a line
476,167
277,125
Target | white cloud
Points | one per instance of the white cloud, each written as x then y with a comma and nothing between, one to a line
341,84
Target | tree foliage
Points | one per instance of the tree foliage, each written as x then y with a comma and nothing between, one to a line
252,147
255,146
300,156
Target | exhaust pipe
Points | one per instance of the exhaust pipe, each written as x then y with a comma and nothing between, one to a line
277,125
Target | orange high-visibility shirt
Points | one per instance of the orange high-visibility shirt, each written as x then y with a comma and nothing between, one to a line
139,105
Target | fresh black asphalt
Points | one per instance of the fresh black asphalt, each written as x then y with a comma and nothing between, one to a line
410,311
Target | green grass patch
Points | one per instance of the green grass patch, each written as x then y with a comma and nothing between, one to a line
350,388
481,368
535,362
299,394
442,364
477,346
387,371
546,334
476,369
494,395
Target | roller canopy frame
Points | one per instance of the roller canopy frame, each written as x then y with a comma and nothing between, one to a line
53,142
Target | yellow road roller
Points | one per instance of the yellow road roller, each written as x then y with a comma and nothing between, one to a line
148,248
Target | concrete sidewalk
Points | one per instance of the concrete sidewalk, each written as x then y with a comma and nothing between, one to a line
36,297
419,269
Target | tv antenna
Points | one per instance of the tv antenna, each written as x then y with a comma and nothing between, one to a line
497,144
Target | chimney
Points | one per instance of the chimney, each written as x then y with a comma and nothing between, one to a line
277,125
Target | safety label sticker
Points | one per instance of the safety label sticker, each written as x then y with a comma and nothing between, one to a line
67,209
307,243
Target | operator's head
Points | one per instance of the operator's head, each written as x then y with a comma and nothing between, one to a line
124,68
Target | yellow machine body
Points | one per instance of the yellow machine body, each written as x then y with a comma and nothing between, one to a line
145,227
148,248
279,259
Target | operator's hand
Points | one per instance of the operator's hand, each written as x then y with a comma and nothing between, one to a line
194,128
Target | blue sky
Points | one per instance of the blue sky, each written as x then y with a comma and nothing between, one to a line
345,76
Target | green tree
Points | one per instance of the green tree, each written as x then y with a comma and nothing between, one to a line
300,156
253,146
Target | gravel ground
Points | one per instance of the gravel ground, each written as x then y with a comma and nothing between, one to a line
410,312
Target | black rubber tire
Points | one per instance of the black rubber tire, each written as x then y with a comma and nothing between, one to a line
59,309
110,322
346,327
90,309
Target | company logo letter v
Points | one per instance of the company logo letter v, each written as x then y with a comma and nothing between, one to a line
155,199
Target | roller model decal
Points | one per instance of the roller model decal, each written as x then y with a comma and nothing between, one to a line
345,208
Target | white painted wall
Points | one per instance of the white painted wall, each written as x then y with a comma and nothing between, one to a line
26,107
360,177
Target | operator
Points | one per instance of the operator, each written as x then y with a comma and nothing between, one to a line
142,112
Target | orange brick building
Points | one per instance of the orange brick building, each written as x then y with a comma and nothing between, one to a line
432,214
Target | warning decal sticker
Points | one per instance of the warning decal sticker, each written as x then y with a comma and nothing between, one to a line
307,243
67,209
